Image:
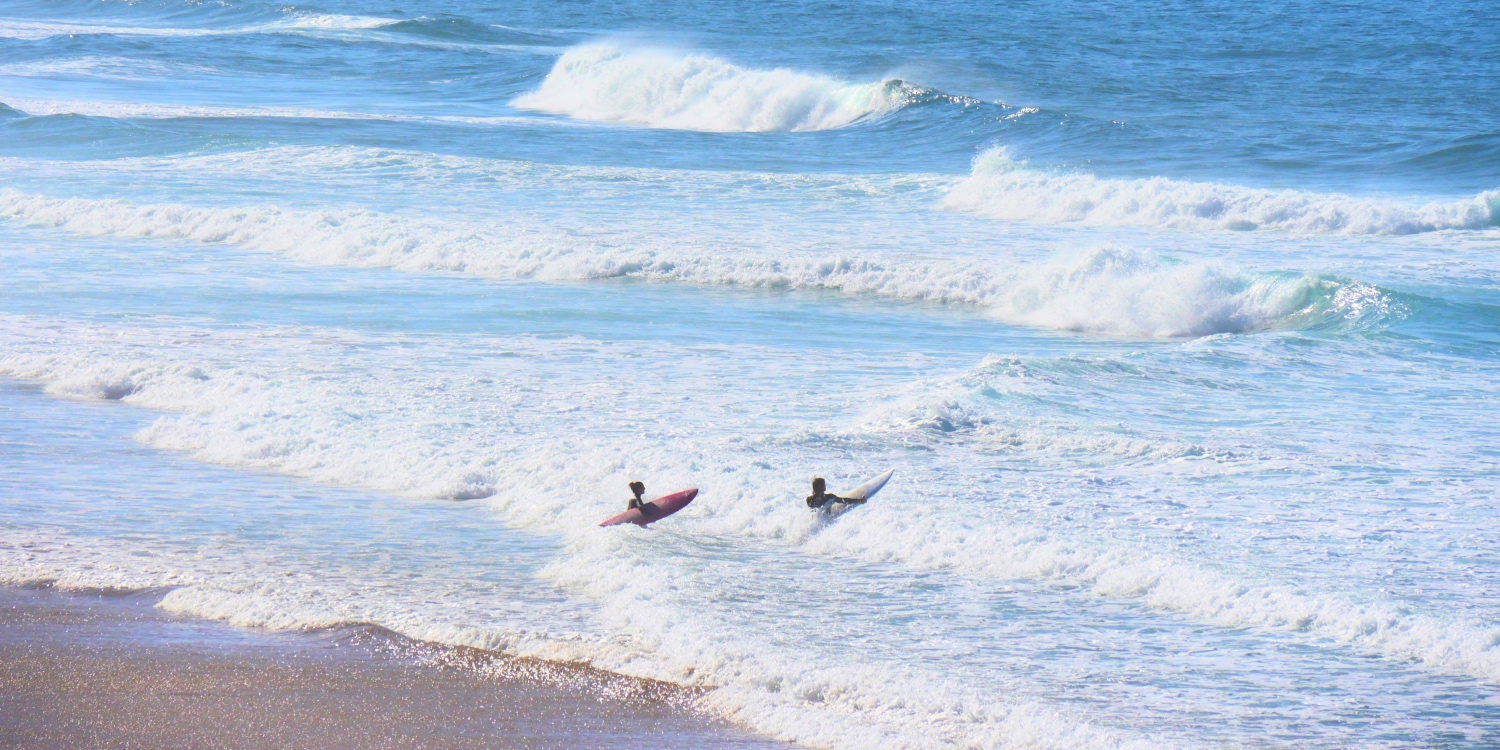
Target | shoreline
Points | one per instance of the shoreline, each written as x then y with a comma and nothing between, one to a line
110,670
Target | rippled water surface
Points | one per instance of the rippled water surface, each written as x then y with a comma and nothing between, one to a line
1179,324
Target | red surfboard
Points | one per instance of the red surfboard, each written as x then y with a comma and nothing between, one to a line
655,510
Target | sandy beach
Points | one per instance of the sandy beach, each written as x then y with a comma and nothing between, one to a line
99,670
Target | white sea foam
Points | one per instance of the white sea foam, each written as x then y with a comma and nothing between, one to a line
795,699
993,404
802,695
611,82
328,22
371,170
982,548
241,404
305,22
1104,290
1201,594
1002,188
236,412
268,593
148,110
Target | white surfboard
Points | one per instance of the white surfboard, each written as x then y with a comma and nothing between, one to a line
862,492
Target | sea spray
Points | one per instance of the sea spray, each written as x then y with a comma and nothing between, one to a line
613,82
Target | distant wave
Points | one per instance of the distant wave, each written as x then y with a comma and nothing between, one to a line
96,66
146,110
361,164
36,30
608,82
1105,290
1001,188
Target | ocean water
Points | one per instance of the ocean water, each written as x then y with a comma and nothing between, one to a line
1178,322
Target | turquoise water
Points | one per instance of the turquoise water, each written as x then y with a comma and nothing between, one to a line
1179,325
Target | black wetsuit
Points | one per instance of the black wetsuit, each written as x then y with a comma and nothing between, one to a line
635,502
820,499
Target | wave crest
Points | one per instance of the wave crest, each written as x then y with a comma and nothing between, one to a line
1104,290
608,82
1001,188
1134,292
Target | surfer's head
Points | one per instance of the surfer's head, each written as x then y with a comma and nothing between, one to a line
819,485
639,488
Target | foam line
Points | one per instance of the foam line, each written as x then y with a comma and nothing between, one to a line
1001,188
235,591
1104,290
795,699
36,30
149,111
983,551
340,164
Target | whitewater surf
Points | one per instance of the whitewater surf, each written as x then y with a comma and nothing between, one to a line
361,317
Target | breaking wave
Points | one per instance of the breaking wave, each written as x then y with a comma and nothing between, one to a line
1104,290
608,82
1002,188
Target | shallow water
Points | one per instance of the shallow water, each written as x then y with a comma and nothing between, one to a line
1183,348
108,669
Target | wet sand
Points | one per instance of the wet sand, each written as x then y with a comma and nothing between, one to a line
101,670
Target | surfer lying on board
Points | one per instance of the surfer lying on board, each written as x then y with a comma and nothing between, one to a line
820,498
639,488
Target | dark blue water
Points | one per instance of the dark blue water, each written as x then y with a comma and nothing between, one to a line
1369,96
